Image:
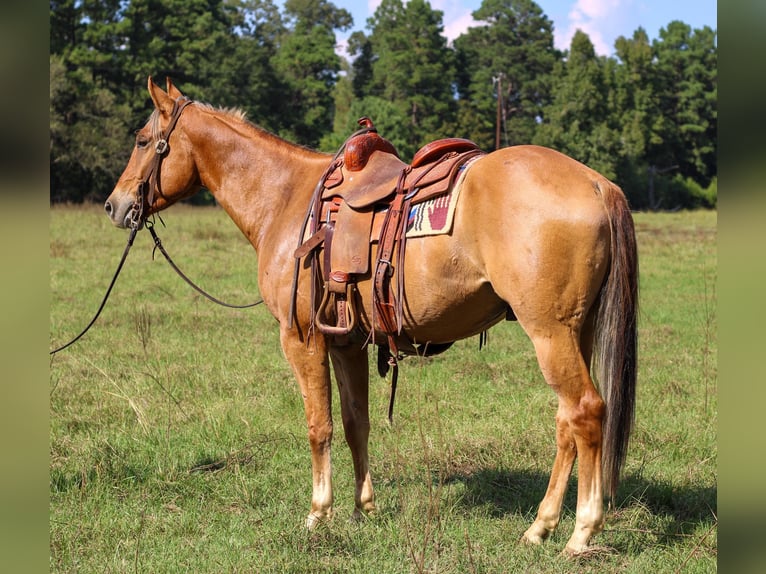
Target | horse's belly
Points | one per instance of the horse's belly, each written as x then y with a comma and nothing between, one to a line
446,297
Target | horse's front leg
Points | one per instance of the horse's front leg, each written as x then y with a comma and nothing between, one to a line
351,371
310,365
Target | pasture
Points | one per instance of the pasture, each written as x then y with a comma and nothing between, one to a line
178,440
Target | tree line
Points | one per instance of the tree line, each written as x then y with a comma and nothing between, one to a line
646,117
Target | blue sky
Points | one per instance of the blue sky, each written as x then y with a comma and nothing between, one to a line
603,20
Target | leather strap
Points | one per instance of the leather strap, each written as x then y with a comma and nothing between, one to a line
150,183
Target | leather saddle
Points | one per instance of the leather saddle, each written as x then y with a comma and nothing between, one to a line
363,198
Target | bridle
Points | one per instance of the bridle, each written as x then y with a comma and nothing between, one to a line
147,187
150,182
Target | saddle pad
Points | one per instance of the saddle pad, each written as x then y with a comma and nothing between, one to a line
434,216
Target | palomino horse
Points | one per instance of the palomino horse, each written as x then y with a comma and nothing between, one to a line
536,235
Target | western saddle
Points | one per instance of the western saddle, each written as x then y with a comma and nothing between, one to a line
364,197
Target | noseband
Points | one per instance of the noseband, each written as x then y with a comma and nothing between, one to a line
150,183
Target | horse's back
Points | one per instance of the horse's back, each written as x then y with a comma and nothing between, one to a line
535,177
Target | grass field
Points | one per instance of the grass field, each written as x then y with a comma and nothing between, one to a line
178,441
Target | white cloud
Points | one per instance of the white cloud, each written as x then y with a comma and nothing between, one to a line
456,19
596,18
595,9
458,24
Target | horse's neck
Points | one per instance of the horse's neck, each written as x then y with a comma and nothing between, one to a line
262,182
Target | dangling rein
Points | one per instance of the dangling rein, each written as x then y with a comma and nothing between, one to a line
132,236
157,245
182,275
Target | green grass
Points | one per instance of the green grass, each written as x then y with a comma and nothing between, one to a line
178,441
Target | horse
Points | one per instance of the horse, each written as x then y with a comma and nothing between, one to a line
537,237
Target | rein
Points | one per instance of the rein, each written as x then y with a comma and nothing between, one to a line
182,275
132,236
138,219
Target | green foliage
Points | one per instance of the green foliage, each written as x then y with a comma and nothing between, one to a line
578,121
646,118
711,193
178,441
386,116
405,60
85,156
514,40
687,67
307,65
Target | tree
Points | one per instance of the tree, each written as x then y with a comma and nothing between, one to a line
647,118
247,77
65,25
308,65
577,122
687,70
86,121
514,42
405,60
187,40
639,119
102,53
387,117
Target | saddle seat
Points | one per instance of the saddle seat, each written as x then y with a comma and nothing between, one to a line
378,179
364,198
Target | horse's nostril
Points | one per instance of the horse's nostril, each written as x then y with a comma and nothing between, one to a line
108,208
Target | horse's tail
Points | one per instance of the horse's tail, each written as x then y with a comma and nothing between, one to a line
616,338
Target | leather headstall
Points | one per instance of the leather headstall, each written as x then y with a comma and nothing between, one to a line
150,183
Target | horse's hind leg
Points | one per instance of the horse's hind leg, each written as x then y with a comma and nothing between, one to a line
351,371
578,434
312,370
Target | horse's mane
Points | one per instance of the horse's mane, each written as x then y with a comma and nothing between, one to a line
234,113
239,116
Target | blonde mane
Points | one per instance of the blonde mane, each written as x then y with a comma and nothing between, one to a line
237,114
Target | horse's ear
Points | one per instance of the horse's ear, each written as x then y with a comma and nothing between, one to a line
162,101
173,92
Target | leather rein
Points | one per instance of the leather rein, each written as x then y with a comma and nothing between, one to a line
147,187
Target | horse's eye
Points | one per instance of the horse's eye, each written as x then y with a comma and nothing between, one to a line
141,142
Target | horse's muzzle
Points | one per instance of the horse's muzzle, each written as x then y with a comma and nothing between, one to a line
124,216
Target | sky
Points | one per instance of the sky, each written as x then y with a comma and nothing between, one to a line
603,20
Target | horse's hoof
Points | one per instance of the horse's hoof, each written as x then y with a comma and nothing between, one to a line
360,515
535,535
314,520
531,540
357,517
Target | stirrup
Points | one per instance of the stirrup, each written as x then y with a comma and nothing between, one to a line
344,312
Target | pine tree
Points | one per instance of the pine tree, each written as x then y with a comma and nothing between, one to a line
308,65
638,116
406,61
511,50
578,120
687,70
